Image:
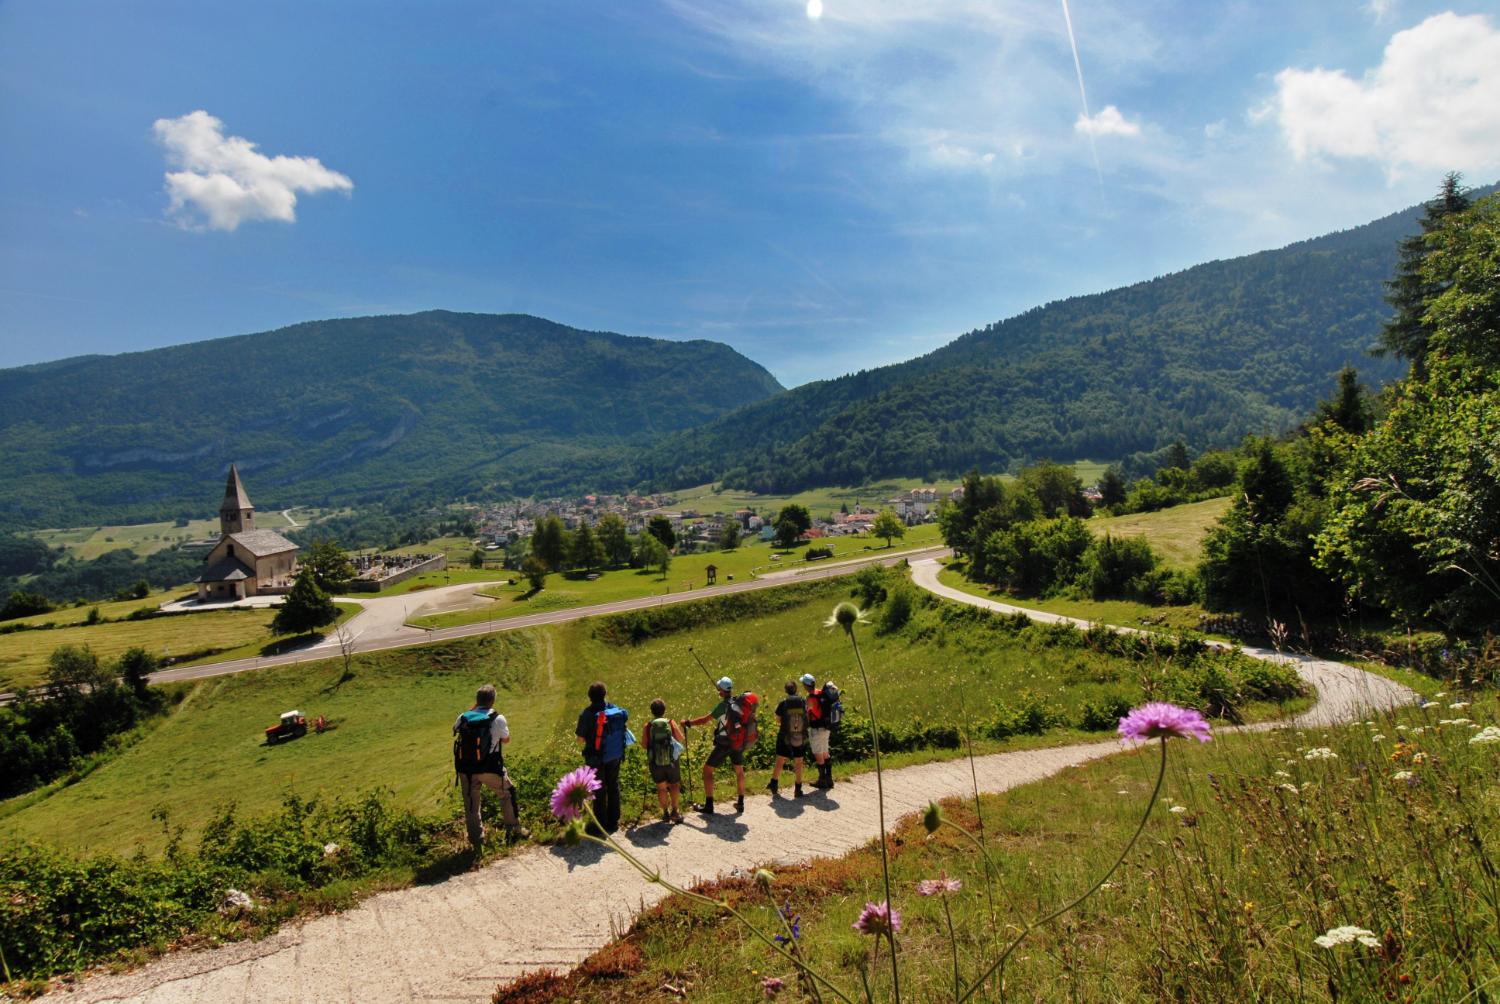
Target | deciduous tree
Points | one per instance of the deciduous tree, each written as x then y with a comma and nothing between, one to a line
888,525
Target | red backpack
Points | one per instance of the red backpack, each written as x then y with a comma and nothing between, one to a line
741,723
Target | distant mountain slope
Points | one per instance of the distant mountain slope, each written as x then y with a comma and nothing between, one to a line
437,403
1208,354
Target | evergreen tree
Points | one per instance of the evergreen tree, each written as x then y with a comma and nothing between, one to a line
547,543
476,559
1177,457
306,609
615,537
661,528
1348,409
1415,284
1266,487
586,552
1111,487
729,537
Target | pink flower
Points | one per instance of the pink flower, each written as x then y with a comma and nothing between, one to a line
878,918
1159,720
573,791
938,886
772,985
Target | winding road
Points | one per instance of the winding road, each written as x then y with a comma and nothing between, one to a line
455,940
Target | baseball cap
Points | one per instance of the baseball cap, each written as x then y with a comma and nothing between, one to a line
725,683
808,680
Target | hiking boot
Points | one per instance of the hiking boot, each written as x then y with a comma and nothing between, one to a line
739,803
774,787
798,791
677,817
708,807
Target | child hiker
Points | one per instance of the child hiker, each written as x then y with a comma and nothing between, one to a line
664,743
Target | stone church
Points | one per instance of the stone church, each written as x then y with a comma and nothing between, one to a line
245,561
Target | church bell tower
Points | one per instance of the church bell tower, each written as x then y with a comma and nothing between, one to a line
236,514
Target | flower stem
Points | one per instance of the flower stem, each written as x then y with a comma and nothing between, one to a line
1161,773
885,864
953,943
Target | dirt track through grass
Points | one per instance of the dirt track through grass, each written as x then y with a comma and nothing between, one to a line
552,907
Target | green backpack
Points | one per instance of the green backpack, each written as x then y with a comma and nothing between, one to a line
659,745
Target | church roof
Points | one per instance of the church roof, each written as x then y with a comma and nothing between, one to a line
262,542
235,498
226,570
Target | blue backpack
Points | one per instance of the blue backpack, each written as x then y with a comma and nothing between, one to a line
607,744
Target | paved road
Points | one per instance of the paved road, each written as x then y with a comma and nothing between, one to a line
382,624
457,939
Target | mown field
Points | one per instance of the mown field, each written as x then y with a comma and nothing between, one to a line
392,717
1176,533
184,639
1260,845
822,501
84,543
687,572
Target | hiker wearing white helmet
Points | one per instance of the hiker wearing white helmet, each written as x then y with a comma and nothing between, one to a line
824,711
734,733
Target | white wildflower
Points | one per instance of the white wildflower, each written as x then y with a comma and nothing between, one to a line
1400,728
1344,935
1377,737
1320,753
1402,775
329,850
1282,773
1454,721
1178,809
1419,730
1441,693
1122,791
1489,734
1459,705
1427,704
1284,786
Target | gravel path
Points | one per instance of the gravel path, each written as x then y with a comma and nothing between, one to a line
457,939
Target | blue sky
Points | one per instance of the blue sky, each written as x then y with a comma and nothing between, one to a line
825,186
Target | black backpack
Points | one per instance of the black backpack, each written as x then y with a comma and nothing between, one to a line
471,740
832,705
794,722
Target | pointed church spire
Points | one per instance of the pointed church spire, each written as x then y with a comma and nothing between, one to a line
236,514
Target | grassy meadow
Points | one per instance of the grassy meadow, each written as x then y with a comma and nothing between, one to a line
687,572
1259,845
1129,613
1175,533
84,543
393,714
822,501
185,639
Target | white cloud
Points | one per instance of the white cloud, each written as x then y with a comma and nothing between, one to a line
224,181
1380,9
1430,104
1215,129
956,84
1107,122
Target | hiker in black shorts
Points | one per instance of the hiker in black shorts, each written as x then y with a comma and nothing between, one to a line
791,737
664,742
723,749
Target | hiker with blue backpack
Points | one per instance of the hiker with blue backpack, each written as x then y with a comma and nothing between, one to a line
735,732
791,738
479,738
601,733
665,742
825,710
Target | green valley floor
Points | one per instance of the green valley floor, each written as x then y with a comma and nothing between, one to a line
551,907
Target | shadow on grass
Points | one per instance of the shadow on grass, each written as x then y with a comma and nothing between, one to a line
446,867
296,643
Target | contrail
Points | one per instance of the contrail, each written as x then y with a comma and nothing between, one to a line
1083,94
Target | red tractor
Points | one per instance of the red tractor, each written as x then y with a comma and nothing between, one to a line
293,725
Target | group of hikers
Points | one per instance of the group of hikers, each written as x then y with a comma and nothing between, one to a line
805,724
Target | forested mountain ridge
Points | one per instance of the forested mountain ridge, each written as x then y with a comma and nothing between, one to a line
435,404
1207,355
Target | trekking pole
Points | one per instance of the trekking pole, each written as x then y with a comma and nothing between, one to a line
706,674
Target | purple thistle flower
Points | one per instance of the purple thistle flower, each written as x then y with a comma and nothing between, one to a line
938,886
877,919
772,985
573,792
1160,720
